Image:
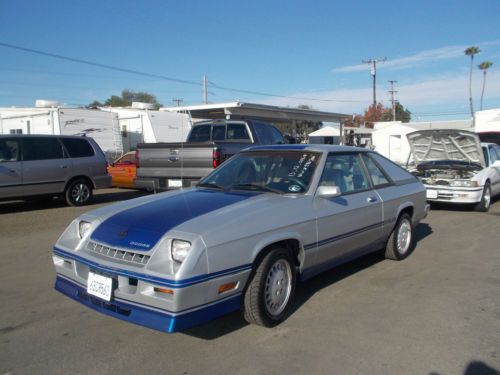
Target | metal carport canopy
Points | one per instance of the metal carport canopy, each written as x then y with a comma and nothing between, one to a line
241,110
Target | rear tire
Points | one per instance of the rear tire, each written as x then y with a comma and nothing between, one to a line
78,192
400,243
269,294
484,204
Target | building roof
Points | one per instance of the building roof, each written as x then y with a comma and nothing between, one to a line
326,131
241,110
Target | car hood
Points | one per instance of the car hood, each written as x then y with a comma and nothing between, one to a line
450,146
140,227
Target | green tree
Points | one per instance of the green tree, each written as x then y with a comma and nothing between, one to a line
126,99
402,113
484,66
471,51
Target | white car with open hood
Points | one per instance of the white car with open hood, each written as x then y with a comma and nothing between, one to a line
455,167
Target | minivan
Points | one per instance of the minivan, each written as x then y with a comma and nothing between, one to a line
48,165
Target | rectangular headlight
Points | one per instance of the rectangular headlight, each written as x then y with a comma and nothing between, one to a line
180,250
83,228
463,183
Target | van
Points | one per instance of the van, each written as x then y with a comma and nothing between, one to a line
48,165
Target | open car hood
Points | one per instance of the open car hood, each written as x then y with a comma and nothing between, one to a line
455,146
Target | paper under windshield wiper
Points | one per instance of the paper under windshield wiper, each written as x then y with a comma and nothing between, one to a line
211,185
257,187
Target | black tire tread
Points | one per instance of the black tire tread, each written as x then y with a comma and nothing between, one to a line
480,206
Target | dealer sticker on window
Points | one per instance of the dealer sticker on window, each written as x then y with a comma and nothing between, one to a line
100,286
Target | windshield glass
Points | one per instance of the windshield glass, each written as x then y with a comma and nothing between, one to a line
282,172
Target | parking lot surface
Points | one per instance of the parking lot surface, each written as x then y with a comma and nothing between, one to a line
438,312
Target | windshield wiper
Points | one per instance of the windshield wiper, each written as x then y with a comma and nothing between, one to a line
255,186
212,185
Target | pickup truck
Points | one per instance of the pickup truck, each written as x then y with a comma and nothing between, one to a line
167,166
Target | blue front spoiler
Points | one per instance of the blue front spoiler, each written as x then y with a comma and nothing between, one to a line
160,320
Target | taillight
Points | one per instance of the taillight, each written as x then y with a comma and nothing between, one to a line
137,159
216,157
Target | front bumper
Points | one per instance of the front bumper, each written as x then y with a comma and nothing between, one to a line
453,195
134,299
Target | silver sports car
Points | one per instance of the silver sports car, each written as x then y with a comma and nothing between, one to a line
241,239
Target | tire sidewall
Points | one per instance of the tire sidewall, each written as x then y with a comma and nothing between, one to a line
269,260
405,217
481,205
69,192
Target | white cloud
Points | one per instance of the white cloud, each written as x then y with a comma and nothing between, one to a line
422,57
448,92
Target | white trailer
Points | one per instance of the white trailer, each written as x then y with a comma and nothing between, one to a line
101,126
142,125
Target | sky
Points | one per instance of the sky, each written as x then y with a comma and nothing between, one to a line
284,53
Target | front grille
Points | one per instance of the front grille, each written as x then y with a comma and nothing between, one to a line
122,255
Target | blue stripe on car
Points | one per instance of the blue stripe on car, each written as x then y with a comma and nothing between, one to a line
153,279
144,315
140,228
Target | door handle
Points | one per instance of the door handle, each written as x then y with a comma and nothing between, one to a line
63,166
371,199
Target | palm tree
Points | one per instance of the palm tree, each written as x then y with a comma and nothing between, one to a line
484,66
471,51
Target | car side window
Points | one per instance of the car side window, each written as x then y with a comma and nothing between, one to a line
200,133
262,133
397,174
78,148
126,159
9,149
377,175
344,171
237,132
42,149
493,155
218,132
276,136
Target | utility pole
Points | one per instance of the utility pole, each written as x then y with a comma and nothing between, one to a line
393,100
373,63
178,101
205,97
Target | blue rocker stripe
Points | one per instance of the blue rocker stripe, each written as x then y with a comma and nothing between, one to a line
153,279
343,235
155,319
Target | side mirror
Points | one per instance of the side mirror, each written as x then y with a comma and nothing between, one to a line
328,192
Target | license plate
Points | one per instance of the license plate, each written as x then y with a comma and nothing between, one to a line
175,183
432,194
100,286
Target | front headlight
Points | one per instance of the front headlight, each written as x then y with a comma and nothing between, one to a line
83,228
180,250
463,183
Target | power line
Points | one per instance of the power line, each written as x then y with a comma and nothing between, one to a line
159,76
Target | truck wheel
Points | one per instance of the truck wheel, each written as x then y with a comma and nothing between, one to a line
270,290
484,204
400,242
78,192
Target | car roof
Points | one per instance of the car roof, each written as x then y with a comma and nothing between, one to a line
308,147
42,136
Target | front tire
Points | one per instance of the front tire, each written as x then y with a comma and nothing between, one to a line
78,192
400,243
270,290
484,204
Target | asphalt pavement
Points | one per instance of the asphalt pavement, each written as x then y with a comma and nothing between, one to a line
437,312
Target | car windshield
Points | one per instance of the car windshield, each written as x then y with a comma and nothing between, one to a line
282,172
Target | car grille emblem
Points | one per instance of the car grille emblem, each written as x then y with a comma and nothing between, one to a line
122,234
